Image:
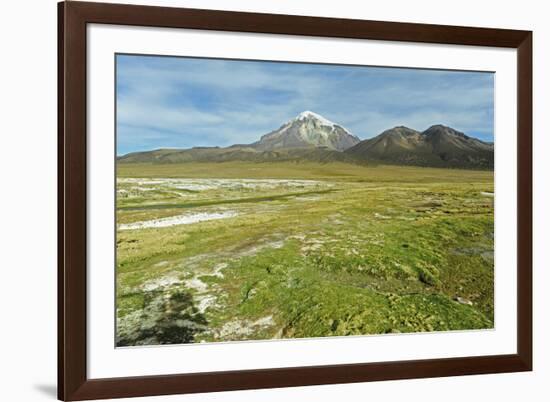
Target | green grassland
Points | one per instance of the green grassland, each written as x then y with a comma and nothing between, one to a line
308,250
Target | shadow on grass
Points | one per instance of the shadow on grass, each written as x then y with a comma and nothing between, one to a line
167,318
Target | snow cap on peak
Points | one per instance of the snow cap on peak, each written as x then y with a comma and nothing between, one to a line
312,115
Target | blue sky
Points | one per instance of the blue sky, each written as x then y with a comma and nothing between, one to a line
176,102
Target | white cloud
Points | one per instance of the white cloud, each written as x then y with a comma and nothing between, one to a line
224,102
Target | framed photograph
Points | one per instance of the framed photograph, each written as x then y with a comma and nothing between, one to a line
253,200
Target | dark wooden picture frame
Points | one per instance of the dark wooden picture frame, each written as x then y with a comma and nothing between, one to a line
73,17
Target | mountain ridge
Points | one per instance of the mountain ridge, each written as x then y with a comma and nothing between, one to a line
311,137
437,146
307,129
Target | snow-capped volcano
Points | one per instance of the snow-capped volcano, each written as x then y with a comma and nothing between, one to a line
308,129
310,137
314,116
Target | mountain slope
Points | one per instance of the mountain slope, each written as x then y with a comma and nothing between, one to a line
311,137
237,153
308,129
438,146
307,137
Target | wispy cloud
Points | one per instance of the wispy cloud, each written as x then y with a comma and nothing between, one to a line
184,102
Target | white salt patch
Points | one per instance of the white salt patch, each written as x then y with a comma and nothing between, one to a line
276,244
204,302
192,187
140,188
305,198
218,268
264,321
255,249
159,283
245,327
178,220
196,284
212,184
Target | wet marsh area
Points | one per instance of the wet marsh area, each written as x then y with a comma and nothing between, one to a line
266,251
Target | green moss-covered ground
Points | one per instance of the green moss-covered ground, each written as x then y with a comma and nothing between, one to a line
310,250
